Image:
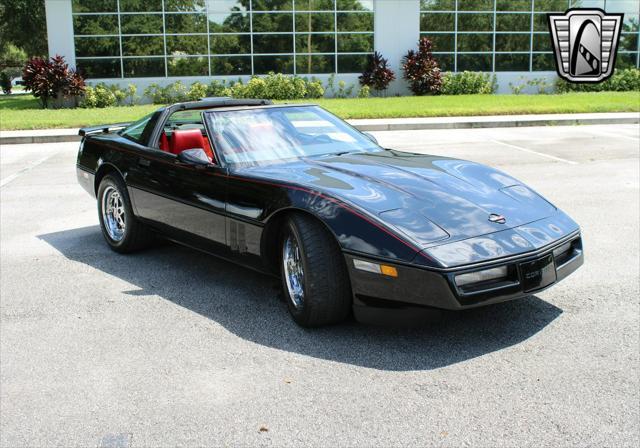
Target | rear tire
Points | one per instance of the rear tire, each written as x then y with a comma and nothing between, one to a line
314,274
120,228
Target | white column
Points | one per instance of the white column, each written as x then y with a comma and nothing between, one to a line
397,30
60,30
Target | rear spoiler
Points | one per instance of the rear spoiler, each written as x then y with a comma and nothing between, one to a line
104,128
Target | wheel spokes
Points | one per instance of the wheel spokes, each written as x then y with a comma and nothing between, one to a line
294,271
113,213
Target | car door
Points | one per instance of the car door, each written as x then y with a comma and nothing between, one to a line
185,200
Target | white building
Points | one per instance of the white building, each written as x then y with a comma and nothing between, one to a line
144,41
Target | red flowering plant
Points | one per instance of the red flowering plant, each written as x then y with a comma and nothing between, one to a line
377,75
422,70
52,79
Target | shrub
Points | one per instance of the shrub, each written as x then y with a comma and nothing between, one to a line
217,88
540,85
119,94
52,79
468,83
89,101
365,92
255,88
282,87
342,91
103,95
421,69
314,89
177,92
274,87
131,94
377,75
5,83
517,89
626,80
299,88
197,91
12,56
99,96
155,93
173,93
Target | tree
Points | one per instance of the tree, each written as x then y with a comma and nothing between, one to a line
5,83
23,23
12,57
377,75
421,69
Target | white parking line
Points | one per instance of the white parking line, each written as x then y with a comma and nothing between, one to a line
24,170
541,154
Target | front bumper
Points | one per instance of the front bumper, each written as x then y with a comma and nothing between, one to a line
416,286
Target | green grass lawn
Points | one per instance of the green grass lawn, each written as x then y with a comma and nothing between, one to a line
23,112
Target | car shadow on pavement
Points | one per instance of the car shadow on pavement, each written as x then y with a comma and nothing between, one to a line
250,305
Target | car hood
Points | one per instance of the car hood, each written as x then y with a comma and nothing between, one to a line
430,199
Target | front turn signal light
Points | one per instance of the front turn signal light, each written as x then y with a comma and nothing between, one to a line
388,270
375,268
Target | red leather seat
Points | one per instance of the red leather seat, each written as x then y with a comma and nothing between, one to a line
188,139
164,141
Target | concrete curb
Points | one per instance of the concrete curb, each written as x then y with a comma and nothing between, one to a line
496,123
398,124
27,139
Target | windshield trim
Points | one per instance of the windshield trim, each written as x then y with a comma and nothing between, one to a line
263,106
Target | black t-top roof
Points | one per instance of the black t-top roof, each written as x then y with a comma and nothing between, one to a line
213,103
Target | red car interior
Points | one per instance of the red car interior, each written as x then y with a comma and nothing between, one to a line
164,142
185,139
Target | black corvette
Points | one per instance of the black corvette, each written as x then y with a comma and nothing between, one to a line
293,191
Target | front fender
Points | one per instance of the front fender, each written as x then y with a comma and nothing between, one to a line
355,230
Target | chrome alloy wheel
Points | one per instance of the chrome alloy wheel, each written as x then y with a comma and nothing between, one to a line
113,213
293,270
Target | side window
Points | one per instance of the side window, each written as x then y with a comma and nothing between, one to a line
182,120
134,131
184,130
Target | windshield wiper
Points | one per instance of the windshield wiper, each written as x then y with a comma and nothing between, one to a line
344,153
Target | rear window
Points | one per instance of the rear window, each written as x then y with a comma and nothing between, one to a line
183,120
135,130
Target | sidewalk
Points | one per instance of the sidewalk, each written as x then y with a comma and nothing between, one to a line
388,124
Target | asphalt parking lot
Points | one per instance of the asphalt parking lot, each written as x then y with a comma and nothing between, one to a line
172,347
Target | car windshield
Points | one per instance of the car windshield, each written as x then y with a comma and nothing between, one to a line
265,135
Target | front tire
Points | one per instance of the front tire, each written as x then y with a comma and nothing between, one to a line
314,275
120,228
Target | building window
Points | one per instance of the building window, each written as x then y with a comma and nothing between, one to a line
511,35
158,38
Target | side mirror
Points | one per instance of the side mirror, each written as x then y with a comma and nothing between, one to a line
371,137
195,156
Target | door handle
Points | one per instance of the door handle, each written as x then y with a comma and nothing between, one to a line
144,162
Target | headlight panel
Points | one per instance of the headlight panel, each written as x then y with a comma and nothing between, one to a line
481,276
